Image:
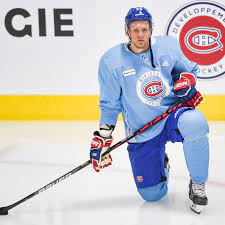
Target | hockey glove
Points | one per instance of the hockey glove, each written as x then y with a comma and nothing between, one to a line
185,89
100,143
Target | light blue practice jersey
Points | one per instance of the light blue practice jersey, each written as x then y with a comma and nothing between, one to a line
131,85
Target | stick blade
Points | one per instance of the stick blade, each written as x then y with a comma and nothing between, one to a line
4,211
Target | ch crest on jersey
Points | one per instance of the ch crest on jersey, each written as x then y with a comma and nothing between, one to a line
203,40
151,88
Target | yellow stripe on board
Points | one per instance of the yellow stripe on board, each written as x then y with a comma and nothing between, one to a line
79,107
49,107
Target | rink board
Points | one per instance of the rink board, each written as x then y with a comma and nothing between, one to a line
79,107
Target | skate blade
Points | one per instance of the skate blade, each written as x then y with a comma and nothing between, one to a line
196,208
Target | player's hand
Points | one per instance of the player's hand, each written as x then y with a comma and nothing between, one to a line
99,145
185,89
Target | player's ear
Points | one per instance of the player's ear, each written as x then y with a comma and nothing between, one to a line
127,33
126,30
151,29
150,32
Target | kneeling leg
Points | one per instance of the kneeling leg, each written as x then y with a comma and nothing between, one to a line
194,129
147,161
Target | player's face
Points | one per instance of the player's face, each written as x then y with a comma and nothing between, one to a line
139,33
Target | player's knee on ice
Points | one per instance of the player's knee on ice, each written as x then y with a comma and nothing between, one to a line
154,193
193,125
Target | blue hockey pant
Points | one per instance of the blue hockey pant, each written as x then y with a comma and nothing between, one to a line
185,125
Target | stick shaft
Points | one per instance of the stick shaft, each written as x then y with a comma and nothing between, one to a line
145,127
49,185
63,177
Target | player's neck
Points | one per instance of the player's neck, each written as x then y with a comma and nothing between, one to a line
136,50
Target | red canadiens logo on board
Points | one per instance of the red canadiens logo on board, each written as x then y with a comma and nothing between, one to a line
139,179
199,28
203,40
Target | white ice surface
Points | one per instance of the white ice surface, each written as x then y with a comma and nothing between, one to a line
33,154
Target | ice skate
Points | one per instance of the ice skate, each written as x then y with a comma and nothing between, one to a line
198,197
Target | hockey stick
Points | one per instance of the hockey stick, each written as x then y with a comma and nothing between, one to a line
4,210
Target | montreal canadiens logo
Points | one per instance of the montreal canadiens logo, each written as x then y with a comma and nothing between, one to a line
204,40
199,27
139,179
151,88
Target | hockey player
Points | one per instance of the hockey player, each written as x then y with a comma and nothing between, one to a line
142,79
